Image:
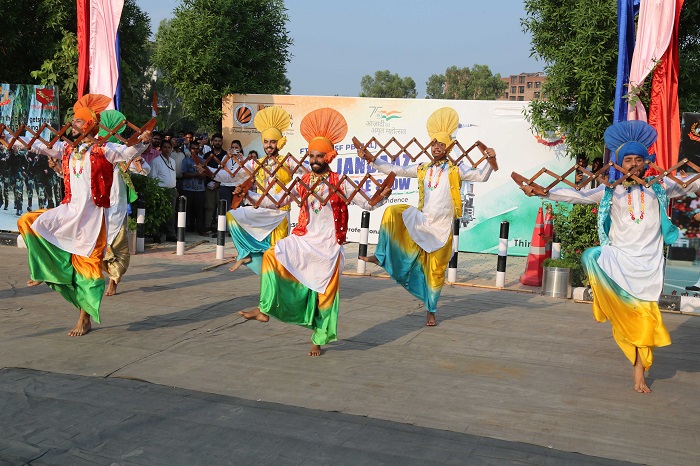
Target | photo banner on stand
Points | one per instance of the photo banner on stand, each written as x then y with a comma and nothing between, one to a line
26,180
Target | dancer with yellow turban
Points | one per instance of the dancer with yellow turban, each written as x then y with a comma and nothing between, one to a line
300,281
254,230
66,244
415,244
116,259
626,271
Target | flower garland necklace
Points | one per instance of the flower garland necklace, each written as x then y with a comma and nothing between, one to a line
314,204
431,187
629,204
79,156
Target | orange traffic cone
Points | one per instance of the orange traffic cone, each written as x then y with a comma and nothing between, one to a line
533,270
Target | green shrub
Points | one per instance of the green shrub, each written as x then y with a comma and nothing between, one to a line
577,228
158,207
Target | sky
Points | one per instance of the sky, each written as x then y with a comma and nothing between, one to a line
337,43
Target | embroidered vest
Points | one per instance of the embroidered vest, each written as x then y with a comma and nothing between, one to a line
668,229
101,173
340,210
282,175
455,185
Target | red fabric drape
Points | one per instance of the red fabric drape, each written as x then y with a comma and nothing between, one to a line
664,113
83,46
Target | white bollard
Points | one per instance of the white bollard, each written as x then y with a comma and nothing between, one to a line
452,267
181,225
502,255
221,230
364,239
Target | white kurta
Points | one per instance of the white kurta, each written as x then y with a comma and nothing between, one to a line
75,226
257,222
634,258
431,228
118,201
312,258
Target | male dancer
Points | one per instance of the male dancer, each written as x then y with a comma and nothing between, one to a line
415,244
66,244
252,230
626,270
123,193
300,280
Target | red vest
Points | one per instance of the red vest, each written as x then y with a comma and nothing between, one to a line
338,206
101,171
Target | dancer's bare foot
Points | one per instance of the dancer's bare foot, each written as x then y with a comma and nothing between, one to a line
111,288
34,282
431,322
255,314
315,350
238,264
82,327
640,385
372,259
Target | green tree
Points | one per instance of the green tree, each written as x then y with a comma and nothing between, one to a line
577,41
477,83
25,45
212,48
60,63
385,84
689,55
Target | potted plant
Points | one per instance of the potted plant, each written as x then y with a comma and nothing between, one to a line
556,277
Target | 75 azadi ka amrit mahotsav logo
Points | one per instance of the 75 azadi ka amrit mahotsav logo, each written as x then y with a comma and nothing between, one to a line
383,114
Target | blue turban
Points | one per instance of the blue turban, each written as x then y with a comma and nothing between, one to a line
632,137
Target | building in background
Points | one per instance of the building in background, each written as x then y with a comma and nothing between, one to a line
524,86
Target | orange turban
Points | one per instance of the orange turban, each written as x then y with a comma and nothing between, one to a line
89,106
322,129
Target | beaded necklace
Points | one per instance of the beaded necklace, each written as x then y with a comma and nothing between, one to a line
79,156
629,204
431,187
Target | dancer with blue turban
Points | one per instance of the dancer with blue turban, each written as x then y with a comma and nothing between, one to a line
626,270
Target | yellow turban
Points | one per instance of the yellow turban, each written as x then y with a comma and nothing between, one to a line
271,122
442,123
89,106
322,129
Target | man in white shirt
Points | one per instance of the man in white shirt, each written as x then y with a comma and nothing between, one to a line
163,169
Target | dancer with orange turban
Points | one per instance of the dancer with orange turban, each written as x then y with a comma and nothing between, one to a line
300,280
253,231
415,244
66,244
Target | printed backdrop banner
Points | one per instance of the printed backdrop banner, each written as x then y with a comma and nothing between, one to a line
690,138
498,124
26,182
29,104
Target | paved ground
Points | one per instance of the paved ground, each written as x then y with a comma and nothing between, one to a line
174,376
